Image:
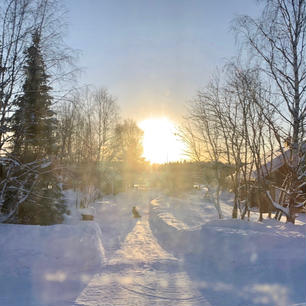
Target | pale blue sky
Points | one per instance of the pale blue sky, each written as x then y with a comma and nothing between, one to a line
153,55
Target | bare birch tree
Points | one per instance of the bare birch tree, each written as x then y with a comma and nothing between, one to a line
106,115
14,33
278,39
203,137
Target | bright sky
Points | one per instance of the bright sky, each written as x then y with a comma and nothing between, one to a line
153,55
160,142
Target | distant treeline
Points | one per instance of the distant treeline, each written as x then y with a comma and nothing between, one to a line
182,176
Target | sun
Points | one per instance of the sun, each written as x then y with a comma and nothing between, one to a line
160,142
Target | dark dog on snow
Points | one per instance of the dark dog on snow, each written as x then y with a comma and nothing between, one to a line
135,212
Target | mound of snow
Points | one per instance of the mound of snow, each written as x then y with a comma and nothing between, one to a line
47,265
87,211
235,261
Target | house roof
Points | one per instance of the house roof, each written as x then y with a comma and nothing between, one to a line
276,163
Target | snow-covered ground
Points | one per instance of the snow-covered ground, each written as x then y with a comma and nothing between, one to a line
47,265
234,262
177,253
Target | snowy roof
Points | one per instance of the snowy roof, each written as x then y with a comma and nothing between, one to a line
276,163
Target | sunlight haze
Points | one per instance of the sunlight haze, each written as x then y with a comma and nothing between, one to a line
160,142
152,152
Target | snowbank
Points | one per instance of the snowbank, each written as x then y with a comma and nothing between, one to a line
47,265
177,249
240,262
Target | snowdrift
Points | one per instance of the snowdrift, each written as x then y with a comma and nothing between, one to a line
237,260
47,265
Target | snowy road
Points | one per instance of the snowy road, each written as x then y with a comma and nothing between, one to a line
141,273
178,253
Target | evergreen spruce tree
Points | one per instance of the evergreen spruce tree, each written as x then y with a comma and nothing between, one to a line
34,122
33,127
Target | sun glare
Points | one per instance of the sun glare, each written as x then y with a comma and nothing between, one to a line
160,143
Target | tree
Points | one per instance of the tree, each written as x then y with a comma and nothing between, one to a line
205,129
105,112
18,21
33,126
128,149
228,125
14,30
34,121
85,134
86,126
278,40
27,175
67,114
249,96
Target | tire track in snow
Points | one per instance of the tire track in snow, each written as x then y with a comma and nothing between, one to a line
140,246
141,273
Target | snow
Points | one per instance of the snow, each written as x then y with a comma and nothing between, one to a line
87,211
142,273
140,246
38,262
178,253
277,162
236,262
